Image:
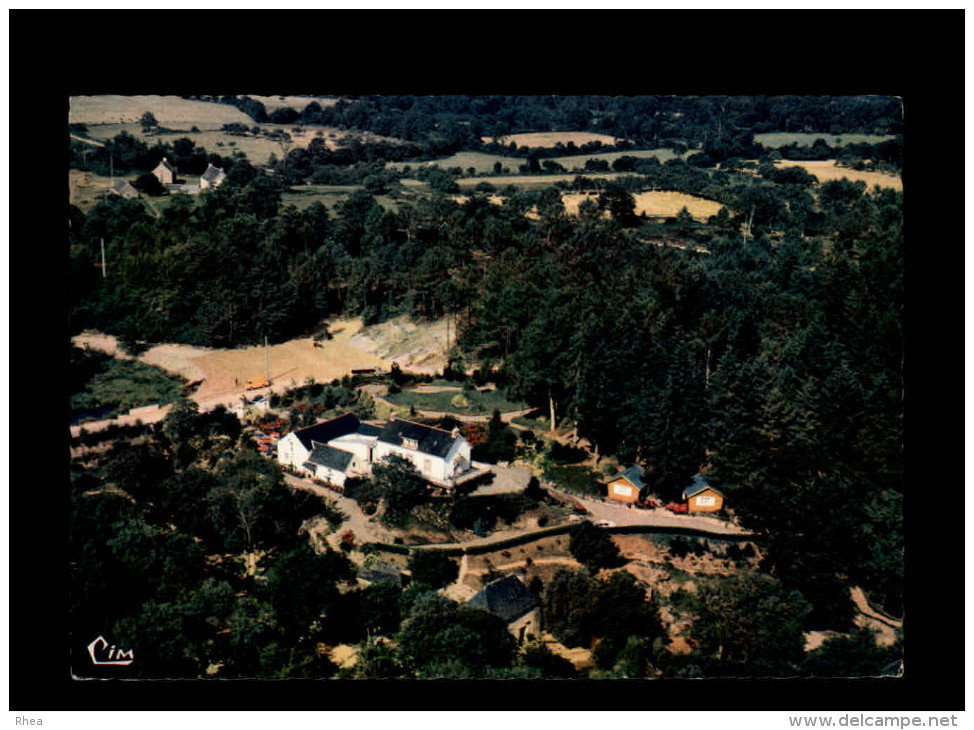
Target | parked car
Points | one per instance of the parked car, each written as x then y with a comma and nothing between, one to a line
605,523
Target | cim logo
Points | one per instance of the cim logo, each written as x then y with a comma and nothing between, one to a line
114,655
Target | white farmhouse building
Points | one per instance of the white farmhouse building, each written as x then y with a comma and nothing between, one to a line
325,450
442,457
343,446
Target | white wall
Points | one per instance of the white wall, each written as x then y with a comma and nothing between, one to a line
290,451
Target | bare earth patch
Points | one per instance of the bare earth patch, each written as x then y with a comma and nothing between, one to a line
224,372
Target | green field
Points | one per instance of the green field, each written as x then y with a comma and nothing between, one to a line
106,387
535,182
330,196
807,139
478,403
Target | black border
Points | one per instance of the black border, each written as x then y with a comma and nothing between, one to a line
563,52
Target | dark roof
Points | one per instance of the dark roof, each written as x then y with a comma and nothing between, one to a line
324,455
633,474
381,573
327,430
212,173
165,163
699,484
433,441
507,597
367,429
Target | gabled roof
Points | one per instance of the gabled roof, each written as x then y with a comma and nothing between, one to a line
123,186
381,573
633,475
699,485
167,164
507,597
212,173
324,455
429,440
325,431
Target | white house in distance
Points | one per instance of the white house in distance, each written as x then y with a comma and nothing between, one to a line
343,446
212,178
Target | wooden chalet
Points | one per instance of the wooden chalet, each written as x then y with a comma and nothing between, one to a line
701,497
626,486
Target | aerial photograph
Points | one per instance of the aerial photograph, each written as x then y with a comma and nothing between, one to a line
485,387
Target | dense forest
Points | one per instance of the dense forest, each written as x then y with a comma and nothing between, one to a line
460,122
765,343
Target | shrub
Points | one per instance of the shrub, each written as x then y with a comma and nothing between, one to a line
593,547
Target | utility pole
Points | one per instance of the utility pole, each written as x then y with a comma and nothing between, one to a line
104,274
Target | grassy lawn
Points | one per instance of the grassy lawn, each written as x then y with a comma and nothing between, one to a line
106,387
477,403
576,479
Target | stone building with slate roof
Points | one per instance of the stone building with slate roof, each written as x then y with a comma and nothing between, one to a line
508,599
125,189
165,171
212,177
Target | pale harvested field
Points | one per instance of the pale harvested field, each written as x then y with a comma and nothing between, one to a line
168,110
295,102
826,170
225,371
655,203
493,199
550,139
213,139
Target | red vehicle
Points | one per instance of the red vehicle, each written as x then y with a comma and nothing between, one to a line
677,508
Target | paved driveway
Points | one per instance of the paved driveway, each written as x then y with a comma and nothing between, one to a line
507,480
620,514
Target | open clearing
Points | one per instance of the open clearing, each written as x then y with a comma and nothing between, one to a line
295,102
660,203
214,140
224,371
826,170
117,109
550,139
